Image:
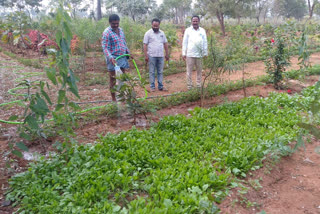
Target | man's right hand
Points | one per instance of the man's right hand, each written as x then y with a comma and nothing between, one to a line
146,58
184,58
113,61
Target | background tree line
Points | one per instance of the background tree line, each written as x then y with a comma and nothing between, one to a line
175,11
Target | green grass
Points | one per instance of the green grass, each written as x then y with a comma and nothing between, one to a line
96,79
180,165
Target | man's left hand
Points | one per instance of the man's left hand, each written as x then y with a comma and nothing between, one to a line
167,57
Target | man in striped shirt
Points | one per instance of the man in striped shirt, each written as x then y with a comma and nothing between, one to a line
114,44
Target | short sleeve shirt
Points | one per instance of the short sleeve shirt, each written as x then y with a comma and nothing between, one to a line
113,44
155,43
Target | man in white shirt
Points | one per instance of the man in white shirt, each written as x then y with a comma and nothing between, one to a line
194,47
154,42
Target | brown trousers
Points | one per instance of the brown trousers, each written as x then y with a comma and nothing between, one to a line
191,62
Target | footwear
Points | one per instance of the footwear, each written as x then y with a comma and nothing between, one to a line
152,89
163,89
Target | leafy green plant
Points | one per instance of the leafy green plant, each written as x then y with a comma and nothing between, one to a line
172,39
180,165
134,33
89,31
218,61
304,53
60,75
16,24
311,122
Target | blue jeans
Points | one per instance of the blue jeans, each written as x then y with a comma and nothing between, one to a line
156,63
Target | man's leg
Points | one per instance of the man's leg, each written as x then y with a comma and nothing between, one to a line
199,71
112,76
152,67
190,64
160,64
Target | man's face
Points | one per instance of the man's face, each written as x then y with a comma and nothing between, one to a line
114,24
195,22
155,26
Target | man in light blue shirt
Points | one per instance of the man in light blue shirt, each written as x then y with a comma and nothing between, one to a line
154,42
194,47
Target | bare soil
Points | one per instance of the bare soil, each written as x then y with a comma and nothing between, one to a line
289,186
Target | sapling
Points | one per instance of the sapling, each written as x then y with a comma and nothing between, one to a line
126,92
39,104
277,58
218,62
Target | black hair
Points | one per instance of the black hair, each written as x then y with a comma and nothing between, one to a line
114,17
196,17
155,20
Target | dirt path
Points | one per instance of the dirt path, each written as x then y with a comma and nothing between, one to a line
177,82
292,186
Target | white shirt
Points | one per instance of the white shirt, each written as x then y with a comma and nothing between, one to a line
195,43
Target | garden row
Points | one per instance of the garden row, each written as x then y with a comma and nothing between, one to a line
183,164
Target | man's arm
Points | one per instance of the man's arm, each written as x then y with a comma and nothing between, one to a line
205,44
185,44
145,48
104,44
105,41
165,45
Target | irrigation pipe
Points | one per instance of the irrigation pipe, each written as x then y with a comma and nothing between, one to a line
8,103
109,101
79,103
11,91
75,113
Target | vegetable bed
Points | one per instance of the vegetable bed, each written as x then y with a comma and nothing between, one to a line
183,164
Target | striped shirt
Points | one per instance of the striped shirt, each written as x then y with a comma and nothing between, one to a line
114,44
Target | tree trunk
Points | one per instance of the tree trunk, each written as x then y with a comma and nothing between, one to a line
220,17
133,17
311,12
265,16
311,7
99,15
176,16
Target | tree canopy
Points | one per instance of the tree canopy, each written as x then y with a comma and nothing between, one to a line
177,11
290,8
